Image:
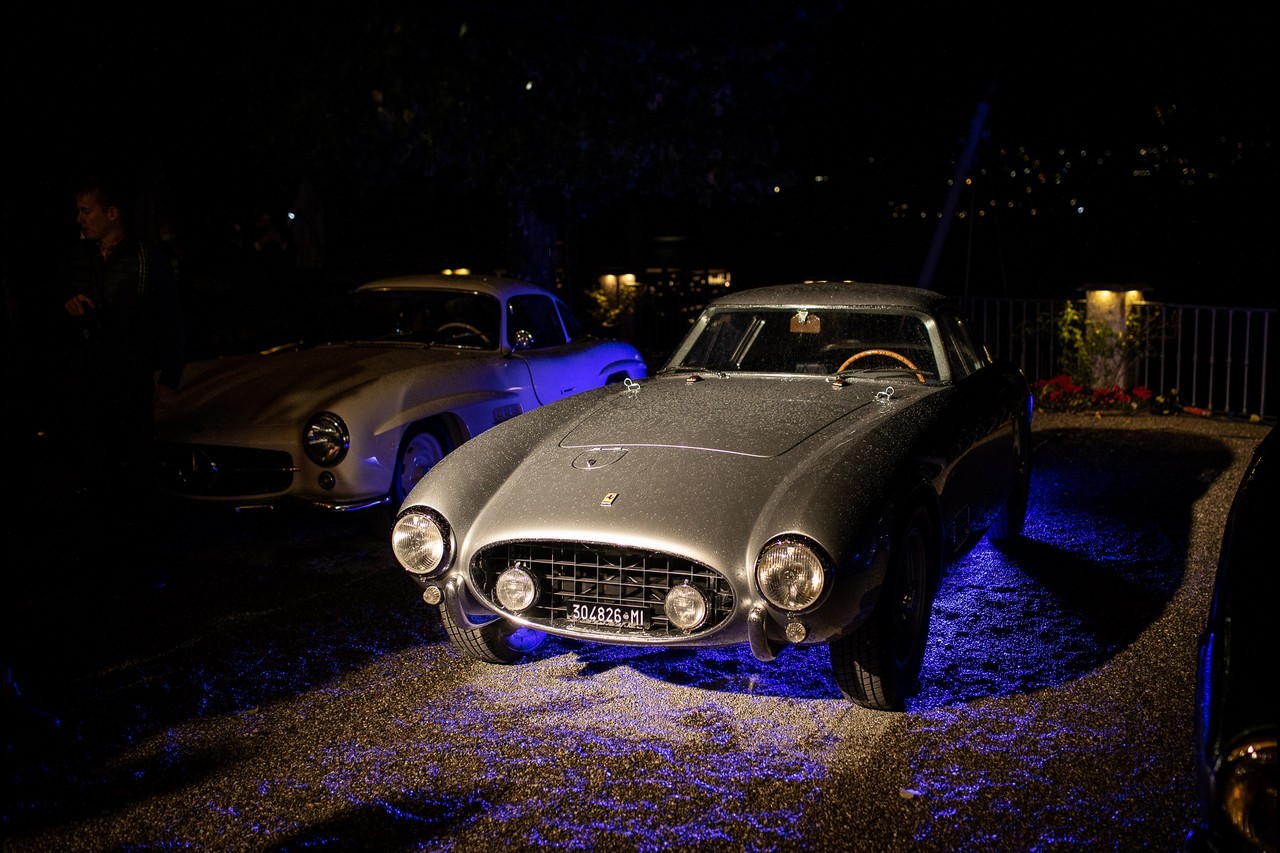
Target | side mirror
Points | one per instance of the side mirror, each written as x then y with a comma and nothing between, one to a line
524,340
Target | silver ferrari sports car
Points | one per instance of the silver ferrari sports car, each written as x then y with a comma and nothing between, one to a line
411,368
800,471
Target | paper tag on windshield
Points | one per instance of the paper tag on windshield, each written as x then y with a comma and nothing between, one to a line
805,323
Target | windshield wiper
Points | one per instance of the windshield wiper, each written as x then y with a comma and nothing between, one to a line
681,369
694,373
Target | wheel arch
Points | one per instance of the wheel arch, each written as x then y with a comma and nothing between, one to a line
618,376
449,429
876,664
449,432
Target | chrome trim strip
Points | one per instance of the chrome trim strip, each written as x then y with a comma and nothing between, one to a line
331,506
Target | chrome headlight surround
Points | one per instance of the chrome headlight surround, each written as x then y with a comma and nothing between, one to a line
1245,790
326,439
422,542
791,573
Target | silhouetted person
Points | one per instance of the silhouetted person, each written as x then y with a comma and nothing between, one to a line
130,351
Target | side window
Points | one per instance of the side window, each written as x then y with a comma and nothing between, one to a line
536,315
961,352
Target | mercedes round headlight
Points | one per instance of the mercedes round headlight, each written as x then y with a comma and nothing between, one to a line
1246,783
422,542
325,439
685,606
790,573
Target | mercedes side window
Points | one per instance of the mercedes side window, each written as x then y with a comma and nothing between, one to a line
538,316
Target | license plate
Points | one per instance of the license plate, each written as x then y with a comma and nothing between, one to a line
609,615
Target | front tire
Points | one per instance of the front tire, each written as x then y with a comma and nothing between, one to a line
878,665
495,641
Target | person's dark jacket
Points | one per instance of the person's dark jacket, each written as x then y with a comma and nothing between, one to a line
138,321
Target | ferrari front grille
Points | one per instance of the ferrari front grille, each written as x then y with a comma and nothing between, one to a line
575,577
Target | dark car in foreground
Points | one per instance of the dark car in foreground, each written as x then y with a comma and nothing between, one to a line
800,472
407,369
1236,723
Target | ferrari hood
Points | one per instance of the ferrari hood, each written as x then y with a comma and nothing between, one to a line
752,416
689,467
286,387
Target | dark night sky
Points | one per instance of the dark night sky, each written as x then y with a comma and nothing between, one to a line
892,95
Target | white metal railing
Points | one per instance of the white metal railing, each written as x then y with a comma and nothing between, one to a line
1218,359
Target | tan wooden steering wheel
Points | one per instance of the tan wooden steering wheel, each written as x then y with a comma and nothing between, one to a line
885,352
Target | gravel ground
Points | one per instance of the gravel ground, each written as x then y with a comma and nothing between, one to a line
287,690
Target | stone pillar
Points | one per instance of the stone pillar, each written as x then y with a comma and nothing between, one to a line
1106,308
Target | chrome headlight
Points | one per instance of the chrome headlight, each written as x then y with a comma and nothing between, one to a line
422,542
1246,791
325,439
790,573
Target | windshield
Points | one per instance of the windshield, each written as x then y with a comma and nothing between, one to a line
819,341
449,317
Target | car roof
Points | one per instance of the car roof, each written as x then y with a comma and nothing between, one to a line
833,294
498,286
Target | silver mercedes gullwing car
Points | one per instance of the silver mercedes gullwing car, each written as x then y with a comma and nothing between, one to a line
415,366
799,472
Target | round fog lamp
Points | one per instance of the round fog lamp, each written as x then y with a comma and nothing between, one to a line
516,589
796,632
685,607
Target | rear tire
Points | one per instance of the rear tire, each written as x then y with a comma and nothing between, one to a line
496,641
878,665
